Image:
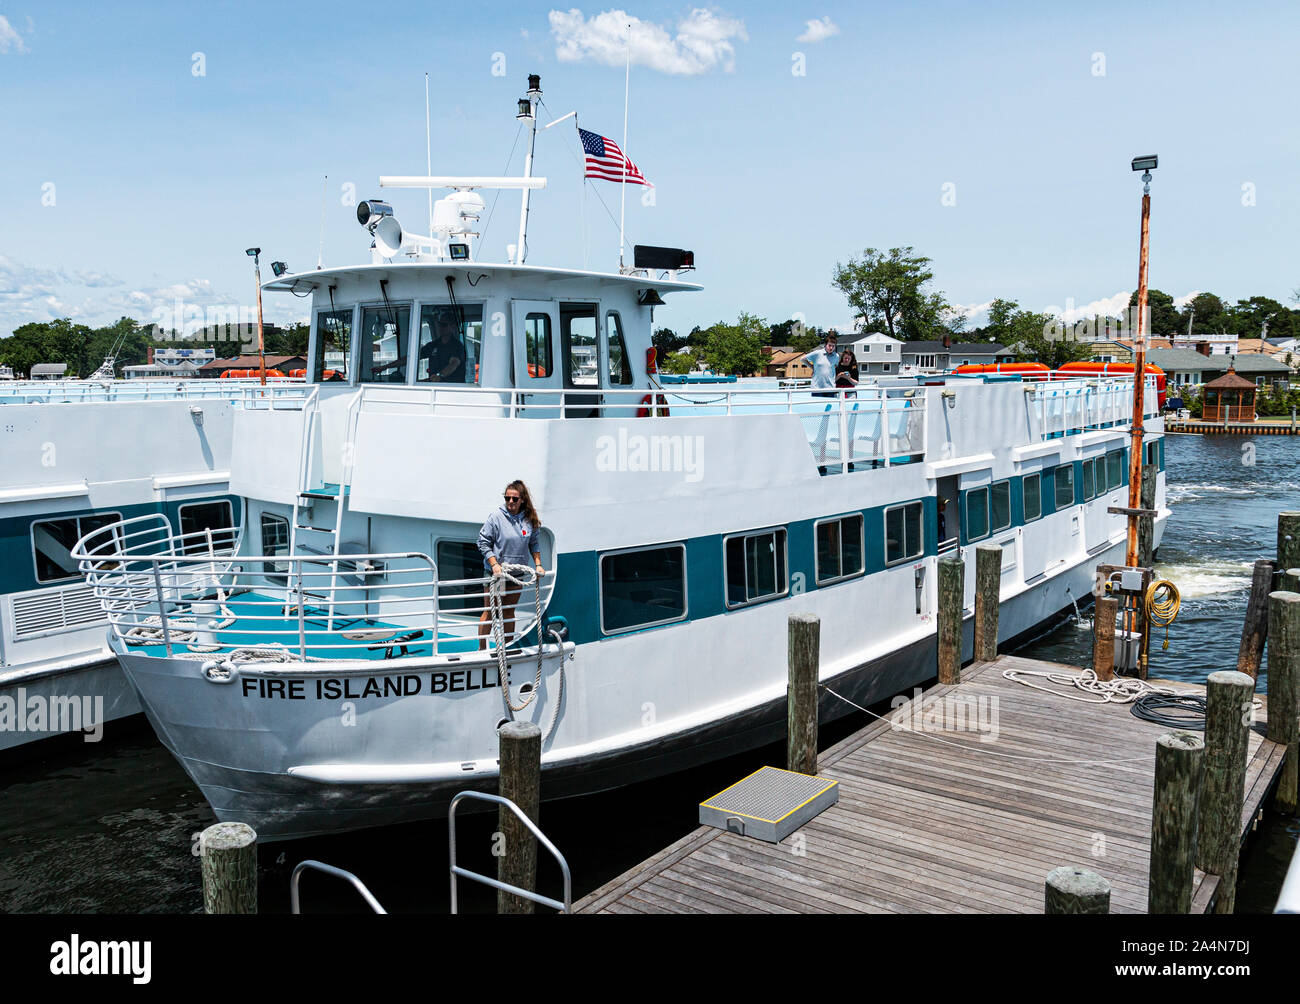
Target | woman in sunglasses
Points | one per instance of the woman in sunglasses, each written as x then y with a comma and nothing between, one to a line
509,536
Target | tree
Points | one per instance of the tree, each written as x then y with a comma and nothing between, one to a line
666,341
679,362
1044,339
1207,313
737,348
1001,313
887,290
1165,320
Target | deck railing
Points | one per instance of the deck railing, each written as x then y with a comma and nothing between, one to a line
189,389
195,593
1065,407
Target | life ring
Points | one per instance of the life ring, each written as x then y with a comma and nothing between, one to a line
658,401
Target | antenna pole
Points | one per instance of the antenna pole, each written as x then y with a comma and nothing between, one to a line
320,253
428,149
534,93
622,200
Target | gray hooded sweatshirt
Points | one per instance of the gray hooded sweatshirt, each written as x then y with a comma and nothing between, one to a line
510,539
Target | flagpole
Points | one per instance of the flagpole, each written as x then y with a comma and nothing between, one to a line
428,149
622,200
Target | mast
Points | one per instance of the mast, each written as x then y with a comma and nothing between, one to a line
622,198
528,110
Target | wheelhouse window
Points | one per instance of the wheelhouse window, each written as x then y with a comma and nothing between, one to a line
459,559
450,344
642,588
756,567
1064,486
839,548
52,541
275,541
1114,469
538,345
1000,506
333,345
619,366
198,517
1032,496
581,345
977,514
383,343
1089,480
903,538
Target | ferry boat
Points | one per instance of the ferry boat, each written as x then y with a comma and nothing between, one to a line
81,454
320,668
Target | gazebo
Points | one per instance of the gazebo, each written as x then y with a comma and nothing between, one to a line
1230,398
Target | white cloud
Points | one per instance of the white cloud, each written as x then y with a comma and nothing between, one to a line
970,310
1182,301
10,40
819,30
703,40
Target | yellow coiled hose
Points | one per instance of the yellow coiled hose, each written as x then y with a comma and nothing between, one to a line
1161,605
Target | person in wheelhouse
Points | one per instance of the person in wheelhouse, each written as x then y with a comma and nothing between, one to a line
509,536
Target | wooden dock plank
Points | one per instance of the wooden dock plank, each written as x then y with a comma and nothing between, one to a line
941,822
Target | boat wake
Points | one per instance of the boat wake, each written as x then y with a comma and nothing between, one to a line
1207,578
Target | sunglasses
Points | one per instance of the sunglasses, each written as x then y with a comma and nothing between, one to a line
512,498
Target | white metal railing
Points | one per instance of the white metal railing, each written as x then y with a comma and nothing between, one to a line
189,389
1063,407
871,424
564,906
196,593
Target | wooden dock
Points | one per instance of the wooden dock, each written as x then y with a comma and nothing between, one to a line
1197,427
939,822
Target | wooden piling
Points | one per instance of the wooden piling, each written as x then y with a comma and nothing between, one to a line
1287,581
804,661
1284,691
988,596
1104,612
1229,696
1071,889
521,775
1255,631
1179,758
1288,539
952,601
228,857
1147,524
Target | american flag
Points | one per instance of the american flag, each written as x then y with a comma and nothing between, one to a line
605,160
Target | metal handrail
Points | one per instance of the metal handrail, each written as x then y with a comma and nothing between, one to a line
295,903
180,389
456,870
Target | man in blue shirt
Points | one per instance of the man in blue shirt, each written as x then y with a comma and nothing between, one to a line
824,362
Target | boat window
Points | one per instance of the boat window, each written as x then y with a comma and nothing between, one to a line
620,367
579,338
1032,491
451,340
755,567
1115,469
1000,505
333,345
642,588
903,538
1065,486
1089,481
383,343
537,343
275,541
459,559
52,541
839,548
977,514
195,517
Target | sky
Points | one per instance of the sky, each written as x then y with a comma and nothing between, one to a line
146,146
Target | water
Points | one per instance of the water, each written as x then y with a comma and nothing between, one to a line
110,827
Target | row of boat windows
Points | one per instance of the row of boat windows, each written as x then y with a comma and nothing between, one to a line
449,344
52,539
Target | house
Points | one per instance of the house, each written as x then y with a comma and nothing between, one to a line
933,355
284,364
1220,344
49,371
787,364
876,353
1185,367
1262,368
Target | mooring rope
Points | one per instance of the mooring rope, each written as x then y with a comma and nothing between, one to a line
1121,690
495,591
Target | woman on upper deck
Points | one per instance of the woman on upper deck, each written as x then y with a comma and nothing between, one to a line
509,536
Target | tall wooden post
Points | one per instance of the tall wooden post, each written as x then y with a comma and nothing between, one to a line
1227,730
1173,822
228,856
521,775
952,601
1284,691
1071,889
1103,637
1288,539
804,661
1147,524
1139,382
988,595
1255,631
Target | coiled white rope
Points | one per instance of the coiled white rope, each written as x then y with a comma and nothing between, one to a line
496,590
1121,690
